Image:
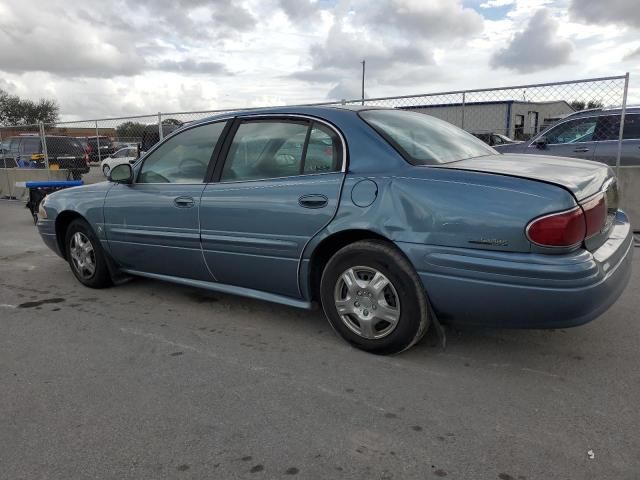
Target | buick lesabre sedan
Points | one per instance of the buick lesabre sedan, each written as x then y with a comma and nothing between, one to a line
391,220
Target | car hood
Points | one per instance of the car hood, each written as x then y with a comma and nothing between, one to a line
582,177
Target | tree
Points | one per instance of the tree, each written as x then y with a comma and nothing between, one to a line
582,105
172,121
16,111
130,129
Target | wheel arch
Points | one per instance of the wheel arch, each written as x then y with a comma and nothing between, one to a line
63,220
326,248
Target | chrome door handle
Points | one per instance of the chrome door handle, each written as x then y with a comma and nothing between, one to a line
581,150
184,202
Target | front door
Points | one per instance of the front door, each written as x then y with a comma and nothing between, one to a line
574,138
279,186
152,226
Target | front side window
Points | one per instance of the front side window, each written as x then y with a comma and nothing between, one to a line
573,131
264,149
183,158
14,145
424,140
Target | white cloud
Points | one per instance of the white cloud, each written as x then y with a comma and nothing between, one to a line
621,12
537,47
112,58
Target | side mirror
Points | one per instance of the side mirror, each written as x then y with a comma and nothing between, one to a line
540,142
122,173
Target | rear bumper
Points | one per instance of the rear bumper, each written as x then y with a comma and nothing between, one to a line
520,290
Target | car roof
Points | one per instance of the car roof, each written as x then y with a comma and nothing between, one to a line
596,112
311,110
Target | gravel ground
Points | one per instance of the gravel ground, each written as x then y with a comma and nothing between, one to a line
152,380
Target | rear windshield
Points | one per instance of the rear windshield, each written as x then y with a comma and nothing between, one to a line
64,145
425,140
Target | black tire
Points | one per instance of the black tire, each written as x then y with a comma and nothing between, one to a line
100,277
105,170
384,258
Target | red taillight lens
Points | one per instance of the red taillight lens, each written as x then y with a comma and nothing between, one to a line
595,214
85,157
562,229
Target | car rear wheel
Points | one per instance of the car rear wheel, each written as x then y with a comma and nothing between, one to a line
85,255
373,298
106,170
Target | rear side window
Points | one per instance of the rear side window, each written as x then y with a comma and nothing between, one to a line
263,149
323,150
632,127
609,127
31,145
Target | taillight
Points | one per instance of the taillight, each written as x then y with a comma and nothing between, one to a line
562,229
85,157
595,214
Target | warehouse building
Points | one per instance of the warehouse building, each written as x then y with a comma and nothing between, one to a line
515,118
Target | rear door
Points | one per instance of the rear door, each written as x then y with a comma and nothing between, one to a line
278,185
152,226
608,133
573,138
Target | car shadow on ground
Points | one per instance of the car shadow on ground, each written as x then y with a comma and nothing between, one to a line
463,342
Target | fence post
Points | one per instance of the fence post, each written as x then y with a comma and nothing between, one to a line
464,101
98,143
622,115
160,126
4,155
45,152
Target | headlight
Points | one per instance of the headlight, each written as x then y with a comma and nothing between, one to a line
42,213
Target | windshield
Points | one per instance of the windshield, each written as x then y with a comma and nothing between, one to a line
425,140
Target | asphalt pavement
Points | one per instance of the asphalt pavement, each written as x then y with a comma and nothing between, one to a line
150,380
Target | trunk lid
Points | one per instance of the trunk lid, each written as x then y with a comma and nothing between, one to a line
582,178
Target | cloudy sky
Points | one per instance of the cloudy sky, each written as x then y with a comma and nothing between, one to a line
119,57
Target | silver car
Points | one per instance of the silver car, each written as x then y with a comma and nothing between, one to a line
589,134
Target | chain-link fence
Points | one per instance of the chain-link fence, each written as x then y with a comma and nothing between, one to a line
497,116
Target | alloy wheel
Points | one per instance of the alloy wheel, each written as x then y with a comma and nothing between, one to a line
83,257
367,302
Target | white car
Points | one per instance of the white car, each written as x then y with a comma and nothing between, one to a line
124,155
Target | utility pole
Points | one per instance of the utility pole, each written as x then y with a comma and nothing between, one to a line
363,64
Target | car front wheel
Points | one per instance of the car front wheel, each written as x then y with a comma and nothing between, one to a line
85,255
106,170
373,298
